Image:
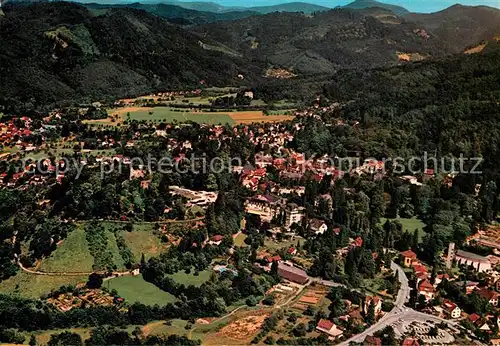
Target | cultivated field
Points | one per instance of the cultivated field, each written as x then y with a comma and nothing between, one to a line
257,117
168,114
135,289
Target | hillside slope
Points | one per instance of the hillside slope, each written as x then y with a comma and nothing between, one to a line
460,26
54,51
174,13
324,42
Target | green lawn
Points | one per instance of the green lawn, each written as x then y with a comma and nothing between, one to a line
135,289
409,225
190,279
72,255
113,247
33,286
240,240
168,114
143,241
162,327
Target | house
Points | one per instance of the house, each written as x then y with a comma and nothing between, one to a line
410,342
407,257
291,273
372,341
329,328
440,277
376,301
479,263
292,251
318,226
451,309
426,289
216,240
293,214
474,318
470,286
490,295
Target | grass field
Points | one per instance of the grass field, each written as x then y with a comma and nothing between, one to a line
113,247
409,225
143,241
239,240
161,327
71,256
168,114
135,289
33,286
190,279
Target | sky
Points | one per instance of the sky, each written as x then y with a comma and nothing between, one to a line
411,5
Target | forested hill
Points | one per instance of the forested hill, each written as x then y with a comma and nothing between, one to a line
448,107
461,26
323,42
58,51
174,13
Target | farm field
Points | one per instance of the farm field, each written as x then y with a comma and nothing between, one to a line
248,117
409,225
190,279
167,114
136,289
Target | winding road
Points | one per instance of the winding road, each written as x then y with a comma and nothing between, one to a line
399,312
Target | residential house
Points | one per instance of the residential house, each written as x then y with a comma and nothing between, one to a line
407,257
410,342
490,295
470,286
329,328
318,226
451,309
372,341
426,289
377,303
216,240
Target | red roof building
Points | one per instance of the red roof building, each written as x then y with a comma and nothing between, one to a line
407,257
410,342
293,274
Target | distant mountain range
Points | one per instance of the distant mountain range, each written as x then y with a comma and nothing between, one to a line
363,4
61,51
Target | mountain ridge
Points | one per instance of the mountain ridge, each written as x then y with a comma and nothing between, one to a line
363,4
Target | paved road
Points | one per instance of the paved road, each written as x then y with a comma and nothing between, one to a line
392,316
399,312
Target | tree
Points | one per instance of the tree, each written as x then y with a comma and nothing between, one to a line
32,340
94,281
300,330
65,339
370,314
